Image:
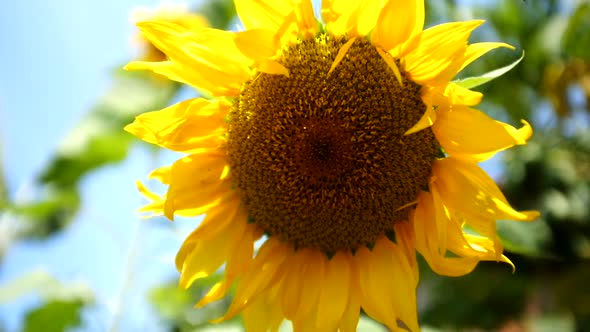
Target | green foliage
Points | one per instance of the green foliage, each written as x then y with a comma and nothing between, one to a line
220,13
176,305
576,40
98,140
487,298
48,216
62,303
472,82
553,176
55,316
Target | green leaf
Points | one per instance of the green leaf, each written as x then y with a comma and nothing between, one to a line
99,139
472,82
41,219
576,41
63,305
176,306
46,286
525,238
553,322
56,316
219,12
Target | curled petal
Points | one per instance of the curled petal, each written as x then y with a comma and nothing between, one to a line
468,133
202,57
162,174
188,125
200,257
425,224
465,187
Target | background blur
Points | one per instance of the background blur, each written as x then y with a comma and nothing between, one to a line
75,255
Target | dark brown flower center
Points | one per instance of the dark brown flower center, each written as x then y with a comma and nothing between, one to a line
321,160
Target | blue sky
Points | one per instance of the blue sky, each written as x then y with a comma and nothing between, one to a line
55,61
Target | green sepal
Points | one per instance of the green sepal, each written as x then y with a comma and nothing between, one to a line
472,82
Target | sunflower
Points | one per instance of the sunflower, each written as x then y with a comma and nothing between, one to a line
342,145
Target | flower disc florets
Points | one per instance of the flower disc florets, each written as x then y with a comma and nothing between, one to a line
320,157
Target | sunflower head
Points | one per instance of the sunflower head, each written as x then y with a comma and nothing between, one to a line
345,141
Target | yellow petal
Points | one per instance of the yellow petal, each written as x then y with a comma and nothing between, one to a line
467,188
469,133
260,45
205,58
387,285
351,315
161,174
306,21
261,275
487,249
441,221
238,262
333,298
425,223
406,239
341,16
208,254
216,220
397,23
263,314
195,182
375,297
257,44
278,16
292,284
427,120
188,125
270,66
436,55
217,292
476,50
368,16
474,246
392,65
175,72
241,258
459,95
146,192
485,227
315,274
405,289
341,53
